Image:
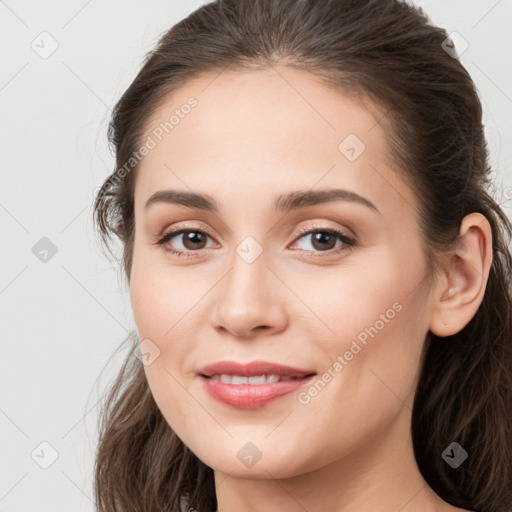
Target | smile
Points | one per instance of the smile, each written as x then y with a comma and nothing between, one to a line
258,379
251,392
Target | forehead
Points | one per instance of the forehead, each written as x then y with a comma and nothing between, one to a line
261,128
278,106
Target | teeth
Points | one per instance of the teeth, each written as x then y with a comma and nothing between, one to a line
258,379
235,379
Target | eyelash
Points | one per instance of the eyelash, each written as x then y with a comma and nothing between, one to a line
347,241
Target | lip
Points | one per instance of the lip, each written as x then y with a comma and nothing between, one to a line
253,369
251,396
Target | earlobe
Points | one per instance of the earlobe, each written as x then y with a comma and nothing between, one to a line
466,278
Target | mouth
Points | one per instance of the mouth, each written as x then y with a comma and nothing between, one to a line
253,380
252,385
258,369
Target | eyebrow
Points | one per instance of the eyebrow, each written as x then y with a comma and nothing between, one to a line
284,203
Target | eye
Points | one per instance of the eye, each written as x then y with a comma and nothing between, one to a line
192,240
324,239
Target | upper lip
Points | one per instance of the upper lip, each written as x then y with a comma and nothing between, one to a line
252,369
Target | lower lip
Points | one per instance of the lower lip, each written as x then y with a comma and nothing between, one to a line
250,396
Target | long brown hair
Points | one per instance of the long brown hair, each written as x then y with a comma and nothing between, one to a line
389,52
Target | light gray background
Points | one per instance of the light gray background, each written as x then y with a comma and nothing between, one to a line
61,320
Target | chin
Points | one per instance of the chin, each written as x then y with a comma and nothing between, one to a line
244,460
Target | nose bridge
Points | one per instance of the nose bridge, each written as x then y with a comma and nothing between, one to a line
245,285
246,298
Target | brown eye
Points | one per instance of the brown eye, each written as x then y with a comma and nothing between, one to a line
189,241
324,240
194,239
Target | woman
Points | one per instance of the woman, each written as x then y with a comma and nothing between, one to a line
318,274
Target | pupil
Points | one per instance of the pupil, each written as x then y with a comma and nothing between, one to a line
318,237
194,237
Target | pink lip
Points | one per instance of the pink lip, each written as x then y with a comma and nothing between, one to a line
251,396
252,369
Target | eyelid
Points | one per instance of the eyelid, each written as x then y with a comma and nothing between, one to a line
297,231
302,230
177,227
349,242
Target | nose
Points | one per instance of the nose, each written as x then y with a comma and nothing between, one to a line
249,300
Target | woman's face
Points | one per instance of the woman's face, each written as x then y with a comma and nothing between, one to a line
257,287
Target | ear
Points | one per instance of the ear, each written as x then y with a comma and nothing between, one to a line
462,287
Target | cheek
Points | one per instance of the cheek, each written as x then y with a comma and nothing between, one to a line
375,320
349,301
164,304
161,297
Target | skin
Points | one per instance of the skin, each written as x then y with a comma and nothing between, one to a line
252,136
